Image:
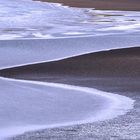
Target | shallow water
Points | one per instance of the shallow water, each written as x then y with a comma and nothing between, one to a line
30,19
29,105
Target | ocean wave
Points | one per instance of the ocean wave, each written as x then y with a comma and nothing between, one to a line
30,19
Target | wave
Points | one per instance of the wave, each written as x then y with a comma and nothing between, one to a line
24,19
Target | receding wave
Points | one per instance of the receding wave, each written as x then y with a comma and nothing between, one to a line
33,104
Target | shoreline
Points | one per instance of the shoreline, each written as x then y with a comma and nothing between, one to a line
127,86
124,5
107,106
123,62
82,45
71,79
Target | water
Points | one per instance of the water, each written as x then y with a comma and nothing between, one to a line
37,105
25,19
28,19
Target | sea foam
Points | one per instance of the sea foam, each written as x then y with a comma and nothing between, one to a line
34,19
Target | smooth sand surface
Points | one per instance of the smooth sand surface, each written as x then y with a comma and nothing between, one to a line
116,71
132,5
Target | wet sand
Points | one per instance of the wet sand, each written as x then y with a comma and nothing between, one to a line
116,71
116,63
130,5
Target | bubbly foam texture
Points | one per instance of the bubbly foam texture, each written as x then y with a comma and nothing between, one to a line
30,19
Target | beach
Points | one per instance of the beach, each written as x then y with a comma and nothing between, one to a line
114,71
74,75
99,76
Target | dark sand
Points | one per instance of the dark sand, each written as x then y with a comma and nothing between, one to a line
116,71
132,5
116,63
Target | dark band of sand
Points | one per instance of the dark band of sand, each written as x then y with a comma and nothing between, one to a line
115,63
130,5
